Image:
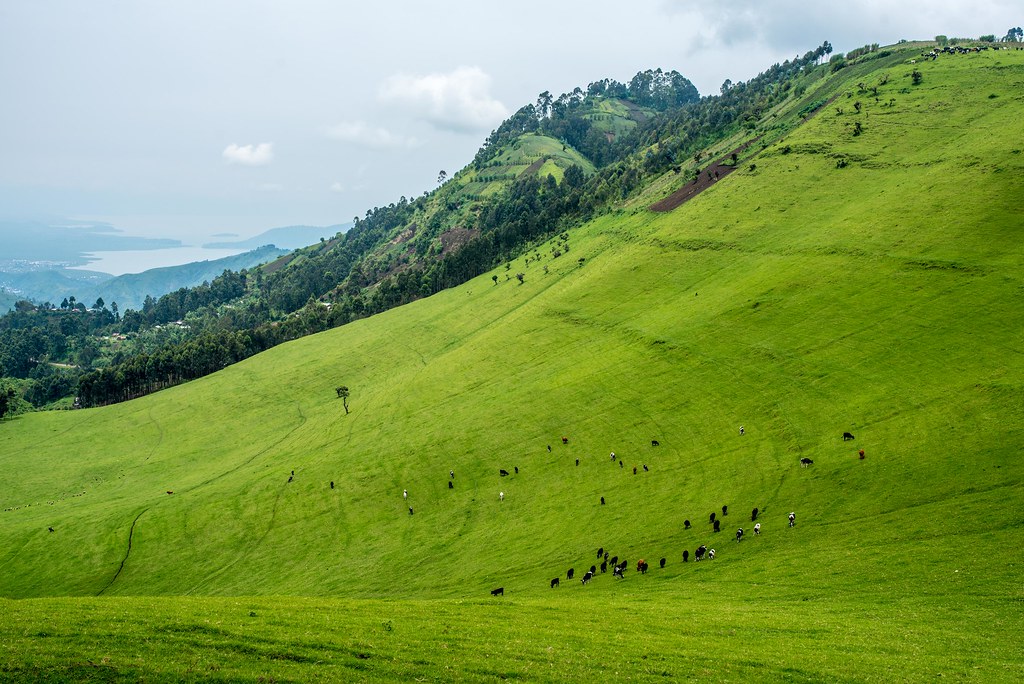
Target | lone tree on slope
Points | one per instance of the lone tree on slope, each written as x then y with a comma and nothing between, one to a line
343,395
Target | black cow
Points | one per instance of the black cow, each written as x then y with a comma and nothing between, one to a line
711,518
753,515
634,470
792,519
549,447
686,524
554,583
641,567
646,469
577,462
725,510
332,484
617,572
517,470
655,442
291,477
50,529
662,562
847,436
614,560
587,577
739,534
593,569
699,553
718,525
500,591
686,556
410,510
451,485
600,552
606,555
602,501
804,462
604,566
565,440
503,472
570,573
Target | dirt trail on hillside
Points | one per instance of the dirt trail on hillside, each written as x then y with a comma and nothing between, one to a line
714,172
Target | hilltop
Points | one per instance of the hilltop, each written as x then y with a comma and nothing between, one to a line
857,271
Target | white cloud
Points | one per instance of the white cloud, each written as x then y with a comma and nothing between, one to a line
249,155
361,133
457,101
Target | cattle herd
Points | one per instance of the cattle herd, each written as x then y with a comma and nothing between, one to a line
619,566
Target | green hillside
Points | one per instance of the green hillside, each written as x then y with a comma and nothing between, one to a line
862,273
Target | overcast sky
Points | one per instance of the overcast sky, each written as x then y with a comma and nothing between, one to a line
187,118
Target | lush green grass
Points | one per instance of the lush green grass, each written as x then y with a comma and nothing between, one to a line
799,300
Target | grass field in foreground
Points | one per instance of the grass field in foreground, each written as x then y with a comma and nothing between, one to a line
646,636
798,299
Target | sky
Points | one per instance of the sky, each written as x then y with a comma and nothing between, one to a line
186,119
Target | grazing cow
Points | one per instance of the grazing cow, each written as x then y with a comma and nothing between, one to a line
686,556
686,524
847,436
804,462
587,577
617,572
554,583
291,477
792,519
725,510
634,470
405,494
332,484
613,455
711,554
565,440
718,525
861,454
501,496
739,534
503,472
624,564
593,569
614,560
517,470
500,591
606,555
643,567
604,566
169,491
655,442
410,510
600,552
753,515
50,529
293,473
711,518
451,474
570,573
451,485
620,463
662,562
646,469
577,462
549,448
699,553
741,429
757,528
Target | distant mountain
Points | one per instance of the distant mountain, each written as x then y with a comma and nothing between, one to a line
129,290
288,237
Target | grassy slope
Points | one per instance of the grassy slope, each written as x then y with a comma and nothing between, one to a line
799,300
